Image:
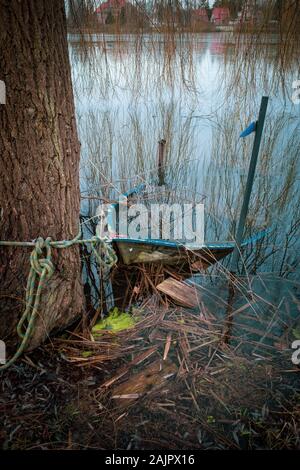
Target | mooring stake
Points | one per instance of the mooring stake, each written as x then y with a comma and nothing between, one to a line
258,129
161,157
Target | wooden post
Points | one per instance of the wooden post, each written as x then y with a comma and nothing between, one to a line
249,184
161,156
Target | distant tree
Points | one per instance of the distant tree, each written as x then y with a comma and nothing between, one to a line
166,11
278,9
79,13
123,16
110,18
205,4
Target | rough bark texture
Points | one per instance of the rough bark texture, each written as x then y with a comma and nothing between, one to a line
39,147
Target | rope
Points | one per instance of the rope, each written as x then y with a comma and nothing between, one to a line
105,255
41,270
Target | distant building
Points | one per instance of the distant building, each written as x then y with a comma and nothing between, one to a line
200,14
250,14
220,16
110,10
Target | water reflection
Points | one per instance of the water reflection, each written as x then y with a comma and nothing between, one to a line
130,92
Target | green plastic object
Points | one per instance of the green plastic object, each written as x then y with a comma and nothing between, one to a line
116,321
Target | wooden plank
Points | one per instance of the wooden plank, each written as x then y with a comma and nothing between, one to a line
136,361
149,379
180,292
199,265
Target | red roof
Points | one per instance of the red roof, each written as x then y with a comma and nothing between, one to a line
220,13
111,4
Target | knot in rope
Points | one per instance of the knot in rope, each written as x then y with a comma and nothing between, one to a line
105,254
41,269
42,266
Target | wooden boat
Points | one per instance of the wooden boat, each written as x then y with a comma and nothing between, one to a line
134,251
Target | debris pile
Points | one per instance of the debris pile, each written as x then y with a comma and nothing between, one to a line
173,369
167,382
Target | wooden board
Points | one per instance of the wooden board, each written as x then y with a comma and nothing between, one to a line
180,292
149,379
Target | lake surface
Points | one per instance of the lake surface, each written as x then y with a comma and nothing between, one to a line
197,94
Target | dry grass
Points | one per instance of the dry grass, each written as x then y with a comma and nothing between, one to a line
168,383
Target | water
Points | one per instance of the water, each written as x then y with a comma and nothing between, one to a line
194,92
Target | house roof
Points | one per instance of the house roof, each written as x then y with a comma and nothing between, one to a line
111,4
220,12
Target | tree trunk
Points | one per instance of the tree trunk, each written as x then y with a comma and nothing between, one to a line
40,152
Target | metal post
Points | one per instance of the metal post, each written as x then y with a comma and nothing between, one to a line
161,156
249,184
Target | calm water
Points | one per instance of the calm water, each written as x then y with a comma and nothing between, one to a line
130,92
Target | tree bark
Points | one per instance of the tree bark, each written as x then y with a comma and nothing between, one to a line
39,170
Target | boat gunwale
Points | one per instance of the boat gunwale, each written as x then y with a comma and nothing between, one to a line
187,246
